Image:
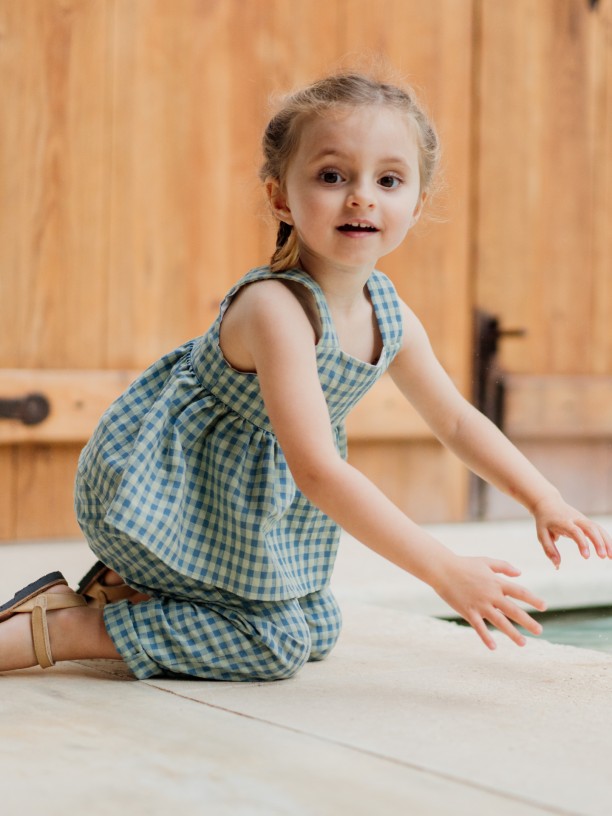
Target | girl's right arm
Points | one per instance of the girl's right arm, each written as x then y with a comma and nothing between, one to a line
270,333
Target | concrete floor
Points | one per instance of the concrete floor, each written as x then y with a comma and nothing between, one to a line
409,715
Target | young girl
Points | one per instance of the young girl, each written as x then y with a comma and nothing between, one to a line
213,491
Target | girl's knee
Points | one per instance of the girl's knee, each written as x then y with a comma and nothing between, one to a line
291,653
322,646
324,635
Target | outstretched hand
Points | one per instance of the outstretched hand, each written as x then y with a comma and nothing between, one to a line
555,518
475,588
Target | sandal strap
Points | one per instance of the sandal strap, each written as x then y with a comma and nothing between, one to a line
109,593
38,606
40,633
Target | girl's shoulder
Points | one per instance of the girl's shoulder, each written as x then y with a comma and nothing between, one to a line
263,289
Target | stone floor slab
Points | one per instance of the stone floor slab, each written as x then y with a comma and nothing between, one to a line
409,715
85,738
532,723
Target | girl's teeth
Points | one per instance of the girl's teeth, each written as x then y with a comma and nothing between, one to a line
356,226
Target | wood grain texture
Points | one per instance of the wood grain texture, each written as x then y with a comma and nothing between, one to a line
53,146
8,502
130,159
557,407
77,400
582,470
44,492
419,476
545,152
601,348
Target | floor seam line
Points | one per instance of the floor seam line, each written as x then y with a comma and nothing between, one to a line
412,765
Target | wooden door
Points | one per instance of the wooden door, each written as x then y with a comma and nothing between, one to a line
543,248
128,163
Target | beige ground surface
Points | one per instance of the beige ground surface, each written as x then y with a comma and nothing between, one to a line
409,715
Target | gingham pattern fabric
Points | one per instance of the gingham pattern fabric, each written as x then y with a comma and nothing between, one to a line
188,628
219,639
185,462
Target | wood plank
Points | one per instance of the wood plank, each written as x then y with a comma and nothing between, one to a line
558,407
173,181
383,414
54,174
44,504
582,470
77,398
136,202
601,350
539,142
7,493
418,476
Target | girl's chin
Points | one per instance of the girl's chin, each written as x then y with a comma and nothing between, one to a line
353,257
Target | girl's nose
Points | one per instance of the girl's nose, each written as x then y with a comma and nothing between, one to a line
361,196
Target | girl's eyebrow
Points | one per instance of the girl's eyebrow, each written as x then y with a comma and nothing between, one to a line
329,153
339,154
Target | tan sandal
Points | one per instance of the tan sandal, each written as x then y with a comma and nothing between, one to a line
35,600
97,593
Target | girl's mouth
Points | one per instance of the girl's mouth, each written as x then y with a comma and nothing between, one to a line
356,226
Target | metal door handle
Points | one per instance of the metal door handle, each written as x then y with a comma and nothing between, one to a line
31,409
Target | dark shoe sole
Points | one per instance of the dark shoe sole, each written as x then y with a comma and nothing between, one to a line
29,591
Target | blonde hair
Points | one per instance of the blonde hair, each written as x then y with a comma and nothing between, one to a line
282,134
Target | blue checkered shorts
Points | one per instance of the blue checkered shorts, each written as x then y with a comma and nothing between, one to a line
196,630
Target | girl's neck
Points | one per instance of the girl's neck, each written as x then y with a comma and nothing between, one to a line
342,286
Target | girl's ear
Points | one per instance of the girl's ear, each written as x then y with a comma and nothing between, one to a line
416,213
278,200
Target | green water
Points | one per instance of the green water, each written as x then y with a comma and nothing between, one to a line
585,628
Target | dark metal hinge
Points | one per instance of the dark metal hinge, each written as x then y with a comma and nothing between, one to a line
31,409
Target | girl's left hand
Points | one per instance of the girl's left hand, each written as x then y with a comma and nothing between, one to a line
555,518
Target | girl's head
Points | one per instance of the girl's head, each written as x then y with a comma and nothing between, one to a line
333,98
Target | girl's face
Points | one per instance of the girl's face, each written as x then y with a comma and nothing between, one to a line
352,187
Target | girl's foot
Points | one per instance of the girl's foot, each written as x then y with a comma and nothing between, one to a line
64,627
102,585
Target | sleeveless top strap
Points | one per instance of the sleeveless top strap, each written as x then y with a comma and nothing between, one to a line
385,301
297,276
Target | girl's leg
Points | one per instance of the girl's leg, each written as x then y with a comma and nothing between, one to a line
188,628
324,619
218,637
226,638
74,633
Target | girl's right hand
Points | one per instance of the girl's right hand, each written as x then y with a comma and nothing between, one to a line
475,588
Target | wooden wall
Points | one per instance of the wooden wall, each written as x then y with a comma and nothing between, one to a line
129,147
543,232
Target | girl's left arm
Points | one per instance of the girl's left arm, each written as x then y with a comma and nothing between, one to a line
484,448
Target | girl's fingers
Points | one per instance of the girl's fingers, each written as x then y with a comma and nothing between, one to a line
521,617
549,546
504,567
574,532
607,539
501,622
477,623
523,594
600,539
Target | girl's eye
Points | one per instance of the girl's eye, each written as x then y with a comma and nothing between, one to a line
390,182
330,176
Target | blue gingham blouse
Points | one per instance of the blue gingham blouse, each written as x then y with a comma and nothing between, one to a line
186,462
